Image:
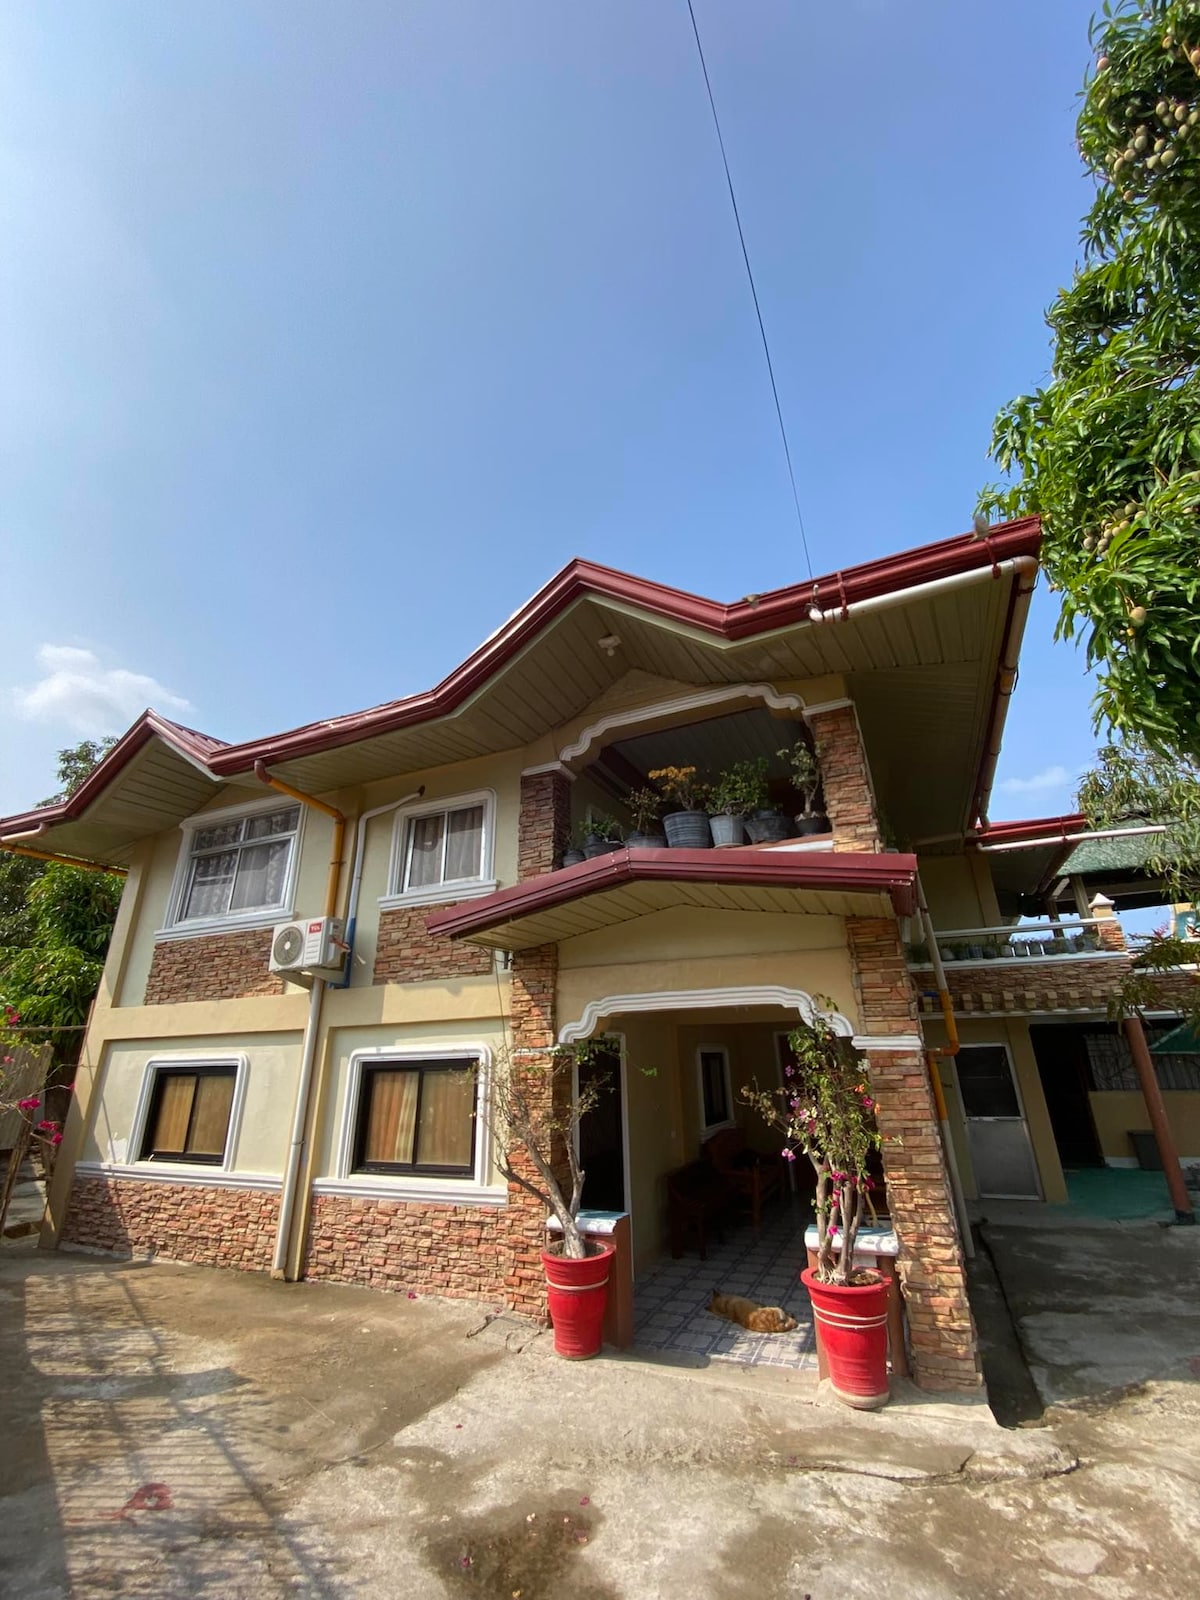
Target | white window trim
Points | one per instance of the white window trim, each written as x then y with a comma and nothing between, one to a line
475,1190
229,922
708,1129
441,893
138,1165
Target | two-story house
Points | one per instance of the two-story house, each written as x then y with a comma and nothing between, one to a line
229,1113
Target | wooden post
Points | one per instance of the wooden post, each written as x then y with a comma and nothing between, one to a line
1135,1036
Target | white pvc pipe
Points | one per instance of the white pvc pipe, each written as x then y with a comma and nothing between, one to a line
287,1198
1072,838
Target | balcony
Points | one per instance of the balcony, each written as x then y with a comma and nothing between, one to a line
1074,939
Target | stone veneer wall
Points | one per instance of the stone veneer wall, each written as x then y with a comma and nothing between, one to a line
473,1252
406,952
215,966
941,1330
210,1225
1016,985
845,779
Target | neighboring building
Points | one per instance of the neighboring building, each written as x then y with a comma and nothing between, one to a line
209,1082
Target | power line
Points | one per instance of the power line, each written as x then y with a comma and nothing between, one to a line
753,291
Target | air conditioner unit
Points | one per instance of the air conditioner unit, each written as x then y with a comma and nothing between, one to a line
308,946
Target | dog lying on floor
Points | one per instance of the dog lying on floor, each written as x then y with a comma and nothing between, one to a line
758,1319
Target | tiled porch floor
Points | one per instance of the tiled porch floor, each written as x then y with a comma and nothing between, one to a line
670,1299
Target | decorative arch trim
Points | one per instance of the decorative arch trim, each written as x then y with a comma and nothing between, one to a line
701,999
631,716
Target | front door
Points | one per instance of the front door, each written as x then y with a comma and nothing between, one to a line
601,1141
997,1135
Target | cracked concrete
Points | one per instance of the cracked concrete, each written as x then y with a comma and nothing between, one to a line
179,1431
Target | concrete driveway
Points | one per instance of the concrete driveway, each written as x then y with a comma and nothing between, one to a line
179,1431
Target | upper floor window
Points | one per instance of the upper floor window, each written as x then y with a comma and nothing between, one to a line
444,851
237,867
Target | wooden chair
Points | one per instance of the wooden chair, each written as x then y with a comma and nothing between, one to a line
749,1176
696,1197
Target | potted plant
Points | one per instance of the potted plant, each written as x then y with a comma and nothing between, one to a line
602,835
645,811
573,855
533,1112
739,790
687,825
826,1110
805,772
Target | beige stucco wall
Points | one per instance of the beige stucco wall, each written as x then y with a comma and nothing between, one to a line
1013,1032
262,1139
1117,1111
953,892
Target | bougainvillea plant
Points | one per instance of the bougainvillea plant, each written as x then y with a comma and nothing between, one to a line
41,1130
825,1110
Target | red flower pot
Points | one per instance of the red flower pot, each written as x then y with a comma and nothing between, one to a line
851,1324
577,1292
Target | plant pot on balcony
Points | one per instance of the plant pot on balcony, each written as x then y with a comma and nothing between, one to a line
727,829
646,841
576,1293
766,826
572,858
688,830
595,845
851,1324
810,822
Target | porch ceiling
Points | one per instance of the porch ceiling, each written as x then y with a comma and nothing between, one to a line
626,884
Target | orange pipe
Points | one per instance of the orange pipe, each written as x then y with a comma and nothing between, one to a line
1135,1037
62,861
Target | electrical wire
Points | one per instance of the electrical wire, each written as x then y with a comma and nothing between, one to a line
753,291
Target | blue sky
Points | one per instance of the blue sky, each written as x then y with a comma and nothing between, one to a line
331,332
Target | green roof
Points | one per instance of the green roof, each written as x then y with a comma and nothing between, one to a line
1123,854
1181,1041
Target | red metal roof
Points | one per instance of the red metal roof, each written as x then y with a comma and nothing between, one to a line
579,579
1033,828
847,872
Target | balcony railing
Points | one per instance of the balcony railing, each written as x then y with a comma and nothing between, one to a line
1072,939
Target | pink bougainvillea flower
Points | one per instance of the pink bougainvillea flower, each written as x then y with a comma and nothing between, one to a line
412,1294
56,1138
585,1500
30,1103
788,1155
46,1126
868,1102
8,1061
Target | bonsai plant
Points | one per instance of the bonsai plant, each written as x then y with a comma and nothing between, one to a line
573,855
645,810
533,1111
739,790
687,824
805,773
826,1111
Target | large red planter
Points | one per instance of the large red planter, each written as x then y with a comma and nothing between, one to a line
577,1292
852,1328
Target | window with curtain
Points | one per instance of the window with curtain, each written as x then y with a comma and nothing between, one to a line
240,864
442,847
417,1117
189,1113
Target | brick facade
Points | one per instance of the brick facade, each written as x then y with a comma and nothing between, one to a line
545,823
207,1225
217,966
845,780
407,952
1021,986
942,1333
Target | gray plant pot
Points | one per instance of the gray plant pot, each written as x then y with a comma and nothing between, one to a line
594,847
688,830
812,822
646,841
572,858
727,829
768,825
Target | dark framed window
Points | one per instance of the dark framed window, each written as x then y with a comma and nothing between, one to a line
417,1117
189,1112
1111,1065
715,1105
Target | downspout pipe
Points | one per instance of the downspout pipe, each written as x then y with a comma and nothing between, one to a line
360,844
312,1028
932,1057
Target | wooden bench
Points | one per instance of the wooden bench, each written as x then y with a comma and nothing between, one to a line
749,1176
696,1198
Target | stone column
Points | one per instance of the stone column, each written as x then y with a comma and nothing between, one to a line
941,1329
846,779
544,824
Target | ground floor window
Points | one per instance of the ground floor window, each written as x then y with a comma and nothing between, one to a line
189,1113
716,1100
417,1117
1111,1065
